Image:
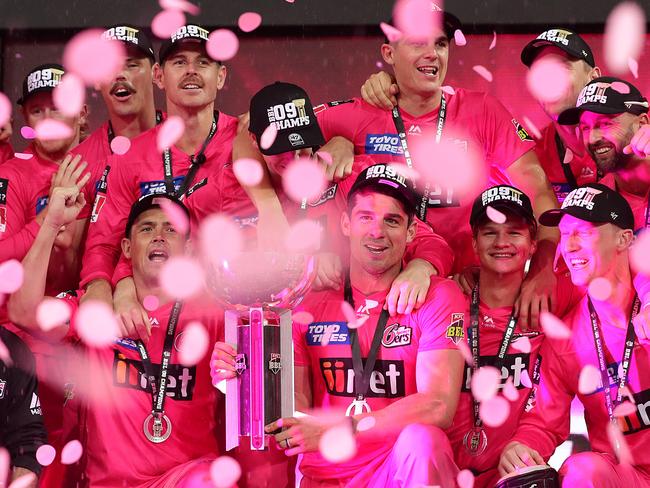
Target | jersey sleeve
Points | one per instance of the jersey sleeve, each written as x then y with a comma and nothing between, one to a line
445,306
545,423
338,118
71,298
122,270
300,352
431,247
505,139
16,233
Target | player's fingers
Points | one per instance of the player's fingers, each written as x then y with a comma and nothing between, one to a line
392,299
412,300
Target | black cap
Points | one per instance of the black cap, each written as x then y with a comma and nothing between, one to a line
148,202
131,36
595,203
565,39
600,97
43,78
450,23
288,107
187,33
388,180
502,197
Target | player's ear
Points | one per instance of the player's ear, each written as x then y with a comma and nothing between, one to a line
411,231
126,247
345,224
624,239
158,76
387,51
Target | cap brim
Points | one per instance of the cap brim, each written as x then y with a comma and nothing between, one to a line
172,47
312,137
571,116
551,218
409,204
24,98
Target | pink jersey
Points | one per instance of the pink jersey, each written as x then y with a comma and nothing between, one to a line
331,369
475,121
547,424
582,166
140,172
6,152
638,203
118,453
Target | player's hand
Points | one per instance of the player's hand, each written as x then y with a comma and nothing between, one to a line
243,122
640,143
330,272
301,434
516,456
222,362
380,91
538,294
467,279
342,152
64,206
99,290
132,317
71,172
272,227
642,324
410,287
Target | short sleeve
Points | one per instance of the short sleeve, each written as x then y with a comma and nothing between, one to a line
444,308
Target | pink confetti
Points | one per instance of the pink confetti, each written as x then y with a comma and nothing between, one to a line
465,352
493,44
150,303
639,252
483,72
589,380
525,379
366,423
465,479
548,80
96,324
600,289
93,58
194,343
71,452
289,1
633,64
327,334
45,455
619,86
52,313
5,355
485,383
24,156
69,95
325,156
304,236
167,22
225,472
350,315
625,409
52,129
5,460
248,171
568,156
169,132
181,277
302,317
448,90
176,215
554,327
249,21
522,344
624,36
11,276
619,444
24,481
303,179
5,109
337,444
220,238
391,33
222,45
183,5
120,145
379,64
532,128
415,18
27,132
510,390
494,411
495,216
268,136
459,38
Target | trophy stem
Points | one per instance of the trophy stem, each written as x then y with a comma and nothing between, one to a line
257,378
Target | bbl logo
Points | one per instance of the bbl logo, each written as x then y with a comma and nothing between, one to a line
455,330
240,363
275,364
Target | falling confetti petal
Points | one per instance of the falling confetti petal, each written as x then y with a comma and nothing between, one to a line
337,444
27,132
525,379
5,461
120,145
568,156
150,303
327,334
465,352
5,109
176,215
494,411
459,38
225,472
222,45
589,380
248,171
5,355
194,342
11,276
619,444
170,132
325,156
218,229
69,95
391,33
485,383
366,423
639,252
633,64
532,128
600,289
624,36
96,324
414,18
52,313
183,5
510,390
494,41
483,72
554,327
268,136
448,90
71,452
465,479
303,179
93,58
24,481
350,315
548,80
249,21
181,277
24,155
619,86
625,409
51,129
522,344
167,22
45,455
304,236
495,216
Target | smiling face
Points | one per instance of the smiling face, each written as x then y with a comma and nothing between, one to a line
420,65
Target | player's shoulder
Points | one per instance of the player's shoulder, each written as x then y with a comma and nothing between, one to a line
336,107
95,145
19,167
317,301
442,290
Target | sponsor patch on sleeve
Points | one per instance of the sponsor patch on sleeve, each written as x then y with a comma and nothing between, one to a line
456,328
521,132
4,185
337,333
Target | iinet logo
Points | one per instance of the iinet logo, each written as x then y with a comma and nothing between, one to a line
639,420
386,381
35,405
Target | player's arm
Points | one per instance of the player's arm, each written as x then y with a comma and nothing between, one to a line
380,90
302,388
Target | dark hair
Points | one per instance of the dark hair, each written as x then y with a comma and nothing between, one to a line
410,215
532,227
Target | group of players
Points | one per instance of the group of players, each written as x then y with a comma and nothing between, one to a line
400,379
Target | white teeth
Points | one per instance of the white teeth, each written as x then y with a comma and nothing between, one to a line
602,150
427,70
503,255
191,86
578,263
